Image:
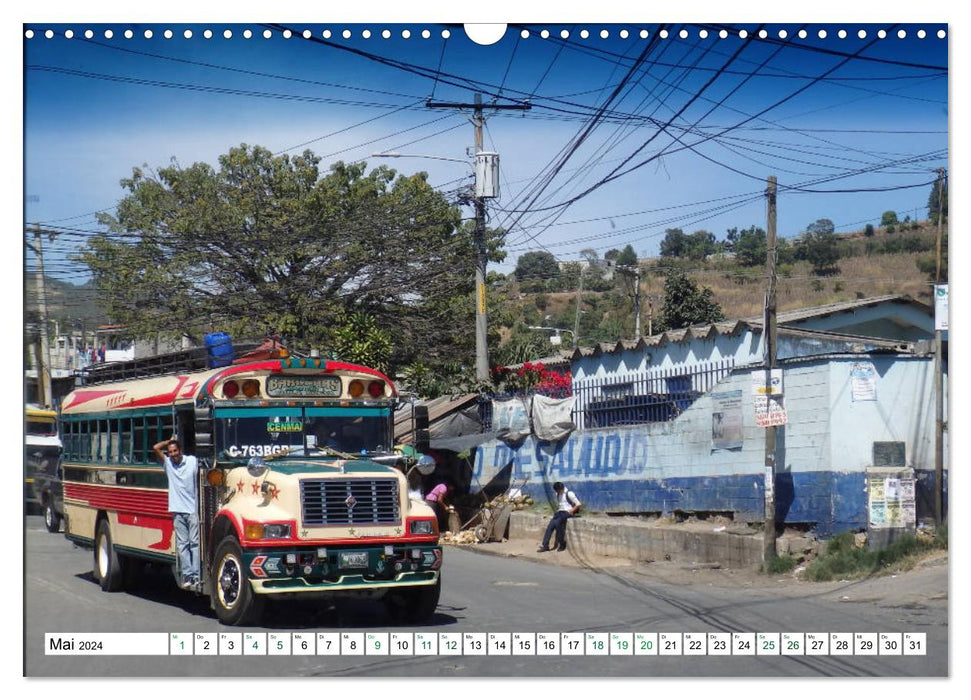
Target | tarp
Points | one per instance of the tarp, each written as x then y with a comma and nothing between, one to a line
552,417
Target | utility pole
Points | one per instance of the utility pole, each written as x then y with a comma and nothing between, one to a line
769,552
576,320
939,371
44,364
481,319
635,273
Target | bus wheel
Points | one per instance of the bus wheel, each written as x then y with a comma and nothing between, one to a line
232,595
51,519
108,566
413,604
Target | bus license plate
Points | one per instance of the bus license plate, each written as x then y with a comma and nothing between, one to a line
353,560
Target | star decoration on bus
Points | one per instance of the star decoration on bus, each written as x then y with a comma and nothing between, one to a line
239,486
274,491
256,488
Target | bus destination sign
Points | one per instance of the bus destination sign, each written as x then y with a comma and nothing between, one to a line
296,387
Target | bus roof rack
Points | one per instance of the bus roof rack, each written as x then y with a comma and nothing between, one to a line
191,360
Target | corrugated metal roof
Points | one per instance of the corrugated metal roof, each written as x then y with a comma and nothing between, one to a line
735,327
796,315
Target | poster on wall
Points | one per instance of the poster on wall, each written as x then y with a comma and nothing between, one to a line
863,381
726,420
892,501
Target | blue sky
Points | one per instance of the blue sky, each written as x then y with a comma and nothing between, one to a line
866,115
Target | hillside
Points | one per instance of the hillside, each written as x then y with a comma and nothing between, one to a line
68,304
864,271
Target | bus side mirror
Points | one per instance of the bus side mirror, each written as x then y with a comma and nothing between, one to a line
425,465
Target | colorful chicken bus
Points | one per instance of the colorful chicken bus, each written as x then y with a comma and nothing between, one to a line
301,494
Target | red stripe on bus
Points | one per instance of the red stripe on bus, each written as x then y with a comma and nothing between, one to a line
85,395
120,498
152,523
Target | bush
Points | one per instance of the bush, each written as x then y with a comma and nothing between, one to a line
845,560
780,565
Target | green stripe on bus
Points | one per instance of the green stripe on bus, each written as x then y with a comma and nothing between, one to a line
360,411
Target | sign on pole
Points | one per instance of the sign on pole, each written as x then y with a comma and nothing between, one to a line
940,307
767,382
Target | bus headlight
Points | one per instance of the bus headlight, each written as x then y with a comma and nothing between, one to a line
424,527
272,531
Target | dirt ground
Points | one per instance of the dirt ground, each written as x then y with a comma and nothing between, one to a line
926,583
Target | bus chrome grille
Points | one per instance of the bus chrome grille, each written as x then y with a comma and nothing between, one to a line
349,502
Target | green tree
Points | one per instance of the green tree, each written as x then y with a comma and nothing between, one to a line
749,245
627,257
889,221
699,245
357,338
268,241
685,304
674,244
824,226
868,231
535,268
822,251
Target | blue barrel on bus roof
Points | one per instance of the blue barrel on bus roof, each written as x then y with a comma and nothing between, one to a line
220,349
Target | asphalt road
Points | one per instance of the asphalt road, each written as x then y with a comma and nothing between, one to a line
481,594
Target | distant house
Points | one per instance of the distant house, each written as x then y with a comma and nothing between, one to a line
670,423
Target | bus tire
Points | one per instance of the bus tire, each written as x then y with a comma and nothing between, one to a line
232,595
413,604
108,566
51,519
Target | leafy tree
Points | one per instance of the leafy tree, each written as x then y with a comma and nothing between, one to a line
674,244
357,338
700,244
822,251
612,254
685,304
749,245
889,221
627,257
821,226
533,268
934,202
868,231
268,241
593,274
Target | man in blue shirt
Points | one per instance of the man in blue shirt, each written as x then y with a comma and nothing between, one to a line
181,471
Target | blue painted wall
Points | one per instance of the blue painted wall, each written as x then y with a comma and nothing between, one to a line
822,453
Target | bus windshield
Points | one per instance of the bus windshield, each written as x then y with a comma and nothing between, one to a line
267,432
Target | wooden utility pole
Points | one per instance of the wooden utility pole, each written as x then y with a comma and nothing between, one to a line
44,397
481,318
576,318
770,360
939,515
